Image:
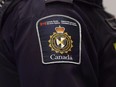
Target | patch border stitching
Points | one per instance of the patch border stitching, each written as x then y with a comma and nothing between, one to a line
40,44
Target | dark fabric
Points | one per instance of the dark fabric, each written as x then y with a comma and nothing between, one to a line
4,5
107,55
93,1
98,3
22,61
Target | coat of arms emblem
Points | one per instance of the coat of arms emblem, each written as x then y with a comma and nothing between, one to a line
60,41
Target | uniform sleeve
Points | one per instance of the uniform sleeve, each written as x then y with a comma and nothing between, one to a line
8,72
108,63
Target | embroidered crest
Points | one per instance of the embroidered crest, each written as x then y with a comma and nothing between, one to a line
60,41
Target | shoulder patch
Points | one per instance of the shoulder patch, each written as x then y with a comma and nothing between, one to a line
59,37
112,23
114,45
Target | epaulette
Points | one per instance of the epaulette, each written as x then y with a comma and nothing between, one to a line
3,7
2,3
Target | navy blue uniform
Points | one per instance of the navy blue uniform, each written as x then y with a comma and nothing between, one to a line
66,43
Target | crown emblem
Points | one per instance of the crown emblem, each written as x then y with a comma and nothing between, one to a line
60,29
